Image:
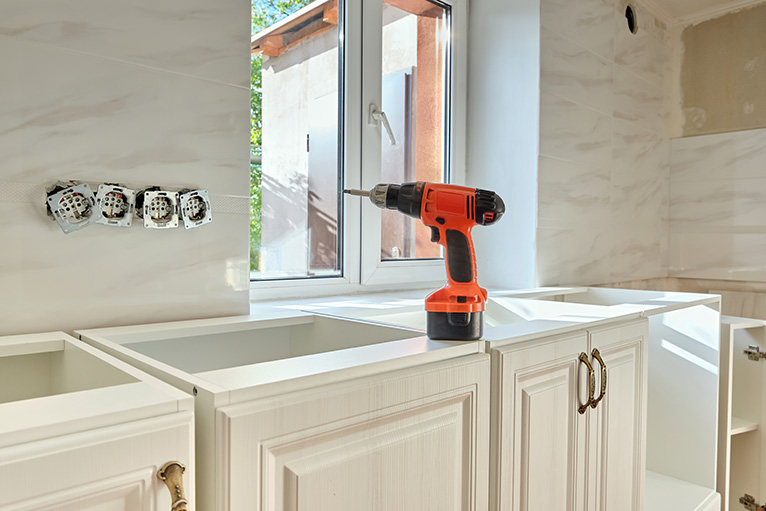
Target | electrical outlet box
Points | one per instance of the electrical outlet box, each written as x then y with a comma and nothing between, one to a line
73,206
195,208
116,205
160,209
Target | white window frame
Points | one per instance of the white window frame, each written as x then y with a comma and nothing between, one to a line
361,267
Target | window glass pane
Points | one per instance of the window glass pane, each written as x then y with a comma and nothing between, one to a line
294,165
415,96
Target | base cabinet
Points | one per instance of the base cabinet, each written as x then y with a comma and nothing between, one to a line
83,431
617,426
105,469
742,413
551,449
411,440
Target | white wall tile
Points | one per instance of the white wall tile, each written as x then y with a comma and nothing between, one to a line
195,37
105,276
575,73
588,22
724,256
73,116
640,178
732,204
644,53
574,133
636,255
717,211
572,195
640,102
577,143
737,155
69,115
573,257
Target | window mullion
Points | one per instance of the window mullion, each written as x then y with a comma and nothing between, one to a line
372,51
353,17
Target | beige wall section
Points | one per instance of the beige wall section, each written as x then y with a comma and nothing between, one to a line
604,158
723,73
137,92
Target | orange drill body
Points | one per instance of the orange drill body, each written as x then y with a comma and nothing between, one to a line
451,211
454,312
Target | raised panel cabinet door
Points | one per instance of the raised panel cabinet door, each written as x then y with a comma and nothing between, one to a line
106,469
617,430
538,436
409,440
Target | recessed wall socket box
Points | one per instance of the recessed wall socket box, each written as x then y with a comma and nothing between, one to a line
73,206
160,209
195,208
116,205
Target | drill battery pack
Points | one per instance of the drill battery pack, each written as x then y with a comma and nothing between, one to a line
455,326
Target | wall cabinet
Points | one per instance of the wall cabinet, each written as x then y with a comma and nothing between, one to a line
550,450
82,431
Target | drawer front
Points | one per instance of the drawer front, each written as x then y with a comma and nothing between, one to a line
105,469
410,440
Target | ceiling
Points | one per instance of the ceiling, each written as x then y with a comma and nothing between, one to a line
692,10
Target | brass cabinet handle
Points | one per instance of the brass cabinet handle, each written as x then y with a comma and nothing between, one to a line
172,473
597,355
591,383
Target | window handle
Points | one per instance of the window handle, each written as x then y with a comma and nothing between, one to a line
379,116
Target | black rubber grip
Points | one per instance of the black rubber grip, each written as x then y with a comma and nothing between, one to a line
459,256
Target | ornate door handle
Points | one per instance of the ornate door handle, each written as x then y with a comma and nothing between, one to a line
591,383
172,473
597,355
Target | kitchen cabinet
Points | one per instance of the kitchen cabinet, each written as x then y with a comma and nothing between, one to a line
683,364
742,412
309,412
552,449
82,431
413,440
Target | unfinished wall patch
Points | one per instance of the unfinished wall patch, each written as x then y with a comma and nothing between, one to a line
723,76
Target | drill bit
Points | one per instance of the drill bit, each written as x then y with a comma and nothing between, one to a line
360,193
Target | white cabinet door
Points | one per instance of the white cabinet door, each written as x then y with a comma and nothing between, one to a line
106,469
410,440
539,437
617,429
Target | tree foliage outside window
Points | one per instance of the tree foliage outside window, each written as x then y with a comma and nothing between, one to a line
264,14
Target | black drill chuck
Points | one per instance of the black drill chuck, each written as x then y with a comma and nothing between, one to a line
406,197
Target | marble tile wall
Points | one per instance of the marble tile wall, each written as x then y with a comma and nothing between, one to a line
138,92
718,206
604,160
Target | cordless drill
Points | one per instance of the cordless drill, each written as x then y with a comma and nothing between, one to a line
454,312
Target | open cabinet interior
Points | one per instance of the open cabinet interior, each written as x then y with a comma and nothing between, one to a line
741,467
55,368
201,349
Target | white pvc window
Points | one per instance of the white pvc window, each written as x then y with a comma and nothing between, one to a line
317,137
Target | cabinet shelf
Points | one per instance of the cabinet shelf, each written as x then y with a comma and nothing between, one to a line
665,493
739,426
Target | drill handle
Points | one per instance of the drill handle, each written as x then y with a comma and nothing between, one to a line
460,256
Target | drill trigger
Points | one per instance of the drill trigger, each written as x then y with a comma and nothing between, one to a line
435,236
